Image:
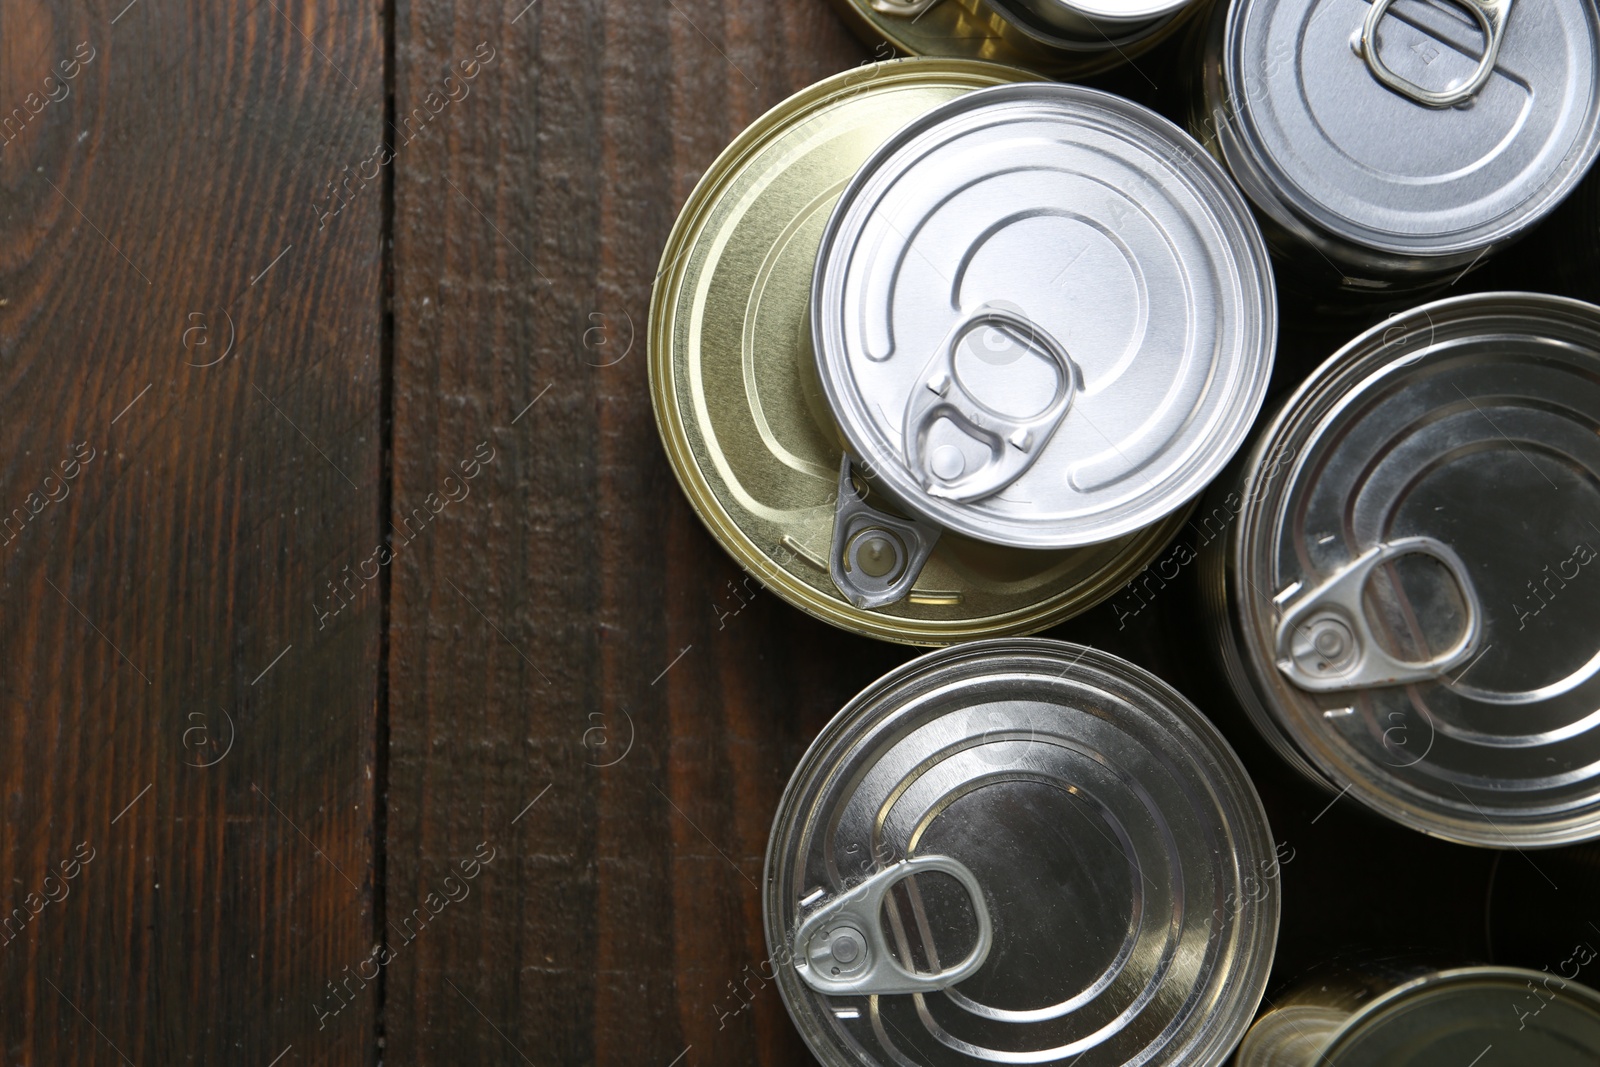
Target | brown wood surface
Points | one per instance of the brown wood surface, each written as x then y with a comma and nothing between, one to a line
171,703
566,609
373,658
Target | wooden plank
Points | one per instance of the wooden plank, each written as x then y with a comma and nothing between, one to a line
564,610
189,450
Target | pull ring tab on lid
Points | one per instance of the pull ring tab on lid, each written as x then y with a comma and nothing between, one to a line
1013,443
875,558
841,949
1491,17
1325,642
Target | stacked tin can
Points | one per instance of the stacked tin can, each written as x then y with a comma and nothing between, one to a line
945,354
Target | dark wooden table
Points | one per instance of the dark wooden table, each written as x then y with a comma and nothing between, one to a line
365,695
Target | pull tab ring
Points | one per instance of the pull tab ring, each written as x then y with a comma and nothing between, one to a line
1326,643
1491,19
1013,443
841,950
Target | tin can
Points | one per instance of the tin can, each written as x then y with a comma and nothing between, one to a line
1394,145
1042,318
1407,1015
1020,851
1059,38
1400,597
741,416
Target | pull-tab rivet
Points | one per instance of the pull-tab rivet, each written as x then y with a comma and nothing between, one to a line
841,950
1022,440
1331,641
947,463
877,555
939,383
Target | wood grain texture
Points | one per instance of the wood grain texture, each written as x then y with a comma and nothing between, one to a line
567,608
172,707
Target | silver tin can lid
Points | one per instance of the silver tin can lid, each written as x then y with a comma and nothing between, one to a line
1418,129
1020,851
1412,576
1100,21
1043,316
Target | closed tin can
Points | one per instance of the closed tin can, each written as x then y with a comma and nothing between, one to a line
1020,851
1394,145
1061,38
1400,597
1042,318
1389,1014
741,415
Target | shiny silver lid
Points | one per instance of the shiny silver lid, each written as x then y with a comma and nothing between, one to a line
1413,578
1414,128
1101,20
1464,1017
1020,851
1503,1016
1043,316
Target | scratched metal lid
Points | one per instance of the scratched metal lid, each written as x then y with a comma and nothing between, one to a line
1043,316
1416,129
1020,851
733,384
1411,581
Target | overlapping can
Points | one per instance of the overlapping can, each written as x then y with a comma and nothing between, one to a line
1061,38
1405,1014
1403,598
1040,321
1397,144
1020,851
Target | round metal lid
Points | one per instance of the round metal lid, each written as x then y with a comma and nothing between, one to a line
1363,148
1411,575
1005,31
1113,12
1482,1016
1020,851
734,387
1043,316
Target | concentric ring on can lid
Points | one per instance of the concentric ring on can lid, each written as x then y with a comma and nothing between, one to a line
1043,316
1319,133
1020,851
1412,578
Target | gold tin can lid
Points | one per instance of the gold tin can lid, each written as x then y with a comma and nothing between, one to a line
734,387
1011,32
